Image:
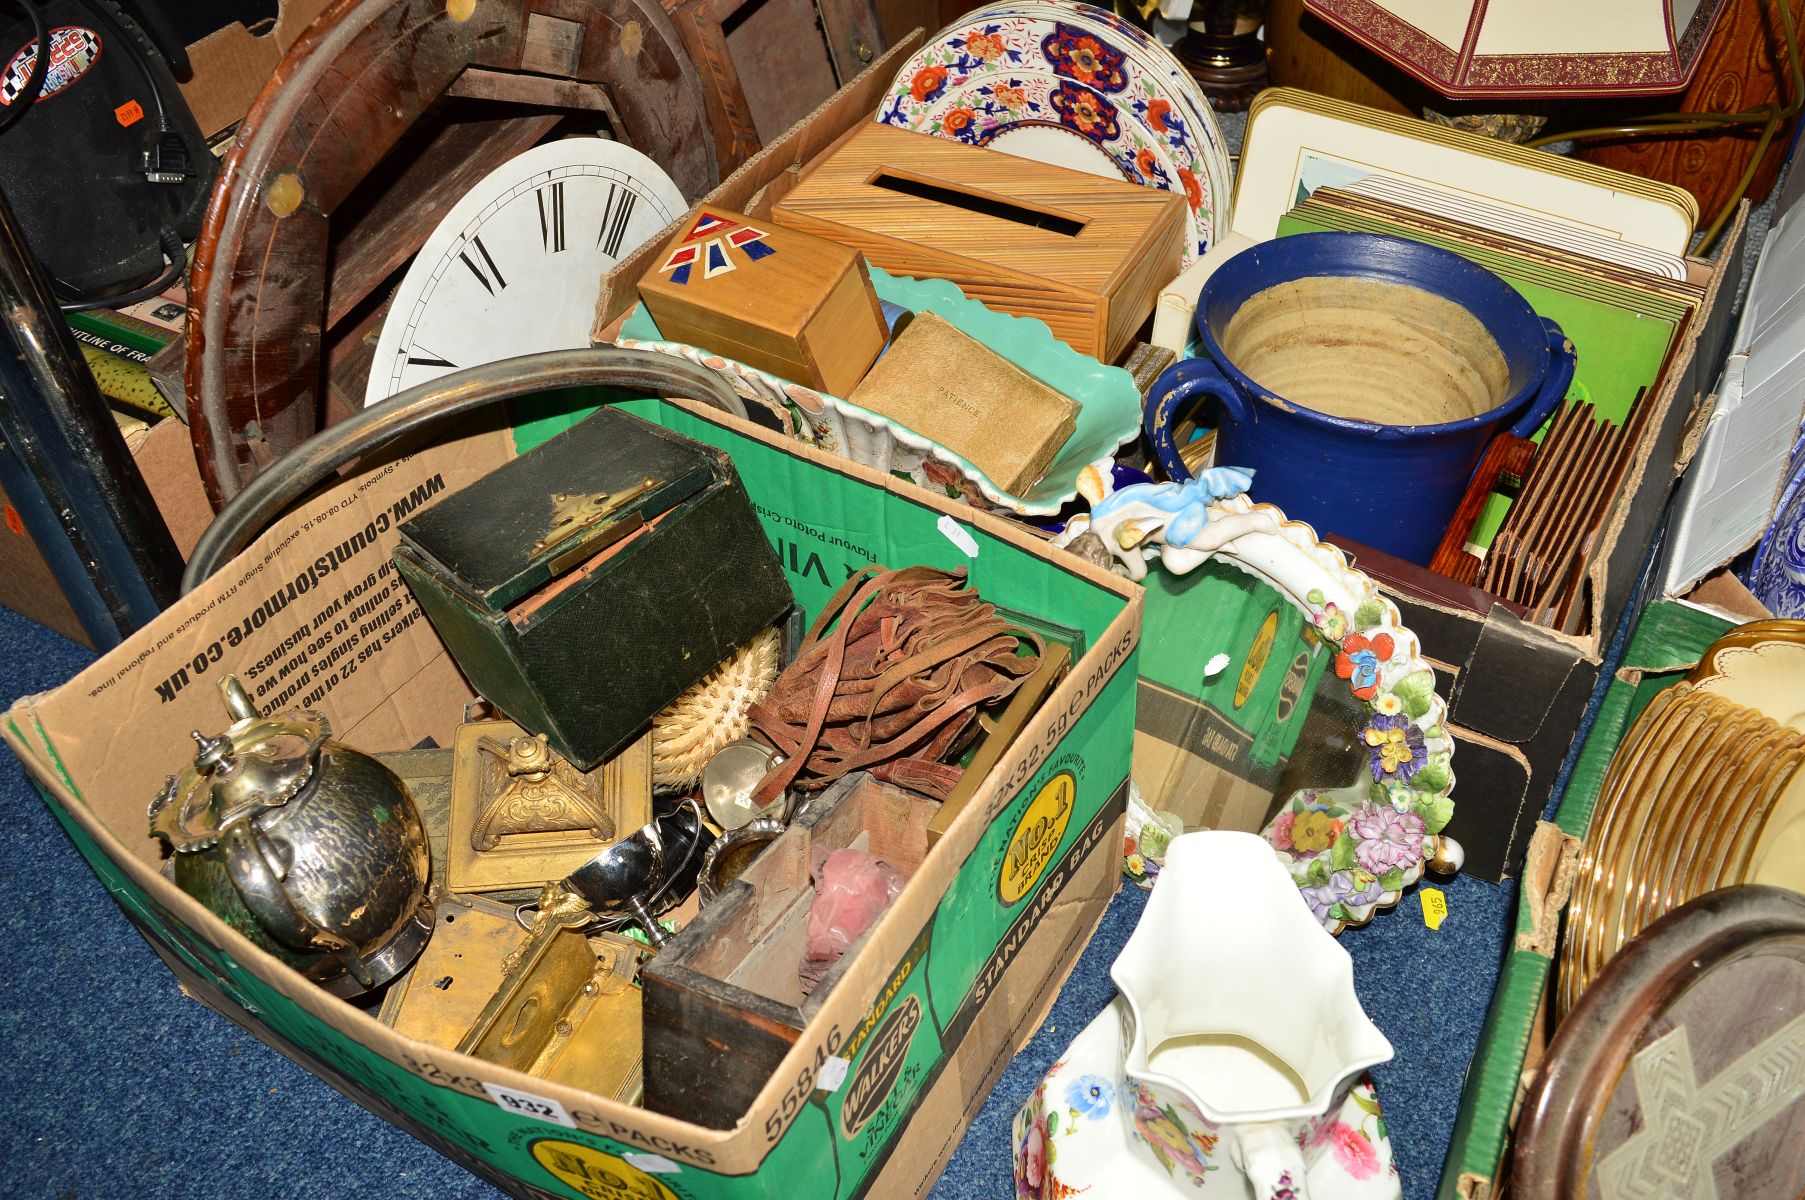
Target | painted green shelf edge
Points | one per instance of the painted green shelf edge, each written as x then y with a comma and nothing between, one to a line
1668,640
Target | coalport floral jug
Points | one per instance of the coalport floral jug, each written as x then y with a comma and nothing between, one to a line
1241,1033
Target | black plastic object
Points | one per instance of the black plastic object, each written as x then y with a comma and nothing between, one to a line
107,171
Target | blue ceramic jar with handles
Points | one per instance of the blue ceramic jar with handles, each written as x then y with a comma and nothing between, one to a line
1391,486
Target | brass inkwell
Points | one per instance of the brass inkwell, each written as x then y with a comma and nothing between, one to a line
521,814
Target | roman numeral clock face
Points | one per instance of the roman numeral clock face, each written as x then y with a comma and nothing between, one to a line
517,264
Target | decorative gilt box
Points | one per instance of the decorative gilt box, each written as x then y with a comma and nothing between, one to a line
1085,254
587,583
798,306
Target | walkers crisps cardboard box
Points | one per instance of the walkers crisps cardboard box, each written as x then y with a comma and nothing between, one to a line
956,974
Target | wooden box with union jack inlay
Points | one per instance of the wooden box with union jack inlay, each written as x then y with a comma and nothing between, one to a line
798,306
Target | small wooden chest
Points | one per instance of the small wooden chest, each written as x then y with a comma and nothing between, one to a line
1086,255
723,1003
798,306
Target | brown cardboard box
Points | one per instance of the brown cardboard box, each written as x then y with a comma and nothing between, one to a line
27,584
1517,692
231,65
165,455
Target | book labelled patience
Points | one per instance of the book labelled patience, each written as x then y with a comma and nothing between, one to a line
957,391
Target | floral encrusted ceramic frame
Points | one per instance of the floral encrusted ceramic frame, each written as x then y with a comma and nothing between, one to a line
1353,851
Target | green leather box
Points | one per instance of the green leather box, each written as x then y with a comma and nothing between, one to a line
586,584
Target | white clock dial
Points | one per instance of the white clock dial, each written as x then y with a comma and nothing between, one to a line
517,264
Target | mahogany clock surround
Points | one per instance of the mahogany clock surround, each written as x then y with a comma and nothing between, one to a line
277,288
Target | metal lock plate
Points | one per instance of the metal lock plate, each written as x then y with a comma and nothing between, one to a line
568,1008
457,973
583,524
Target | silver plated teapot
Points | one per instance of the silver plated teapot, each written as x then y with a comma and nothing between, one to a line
309,848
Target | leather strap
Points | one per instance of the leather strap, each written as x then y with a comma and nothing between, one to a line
890,679
781,777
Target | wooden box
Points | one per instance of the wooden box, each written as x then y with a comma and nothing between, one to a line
800,307
723,1002
1085,254
948,386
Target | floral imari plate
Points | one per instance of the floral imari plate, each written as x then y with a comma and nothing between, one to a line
1071,1137
1065,86
1183,105
1174,98
1042,116
1353,850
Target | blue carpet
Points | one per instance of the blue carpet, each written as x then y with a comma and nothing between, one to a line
118,1086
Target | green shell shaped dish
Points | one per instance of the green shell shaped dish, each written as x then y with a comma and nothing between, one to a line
1108,417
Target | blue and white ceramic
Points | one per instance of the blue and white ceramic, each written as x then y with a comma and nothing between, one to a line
1778,577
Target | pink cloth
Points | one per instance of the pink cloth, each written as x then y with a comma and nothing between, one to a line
852,889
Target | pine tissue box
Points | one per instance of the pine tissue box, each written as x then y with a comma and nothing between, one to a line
1085,254
957,391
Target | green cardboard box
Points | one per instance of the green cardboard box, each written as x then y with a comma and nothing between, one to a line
954,976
